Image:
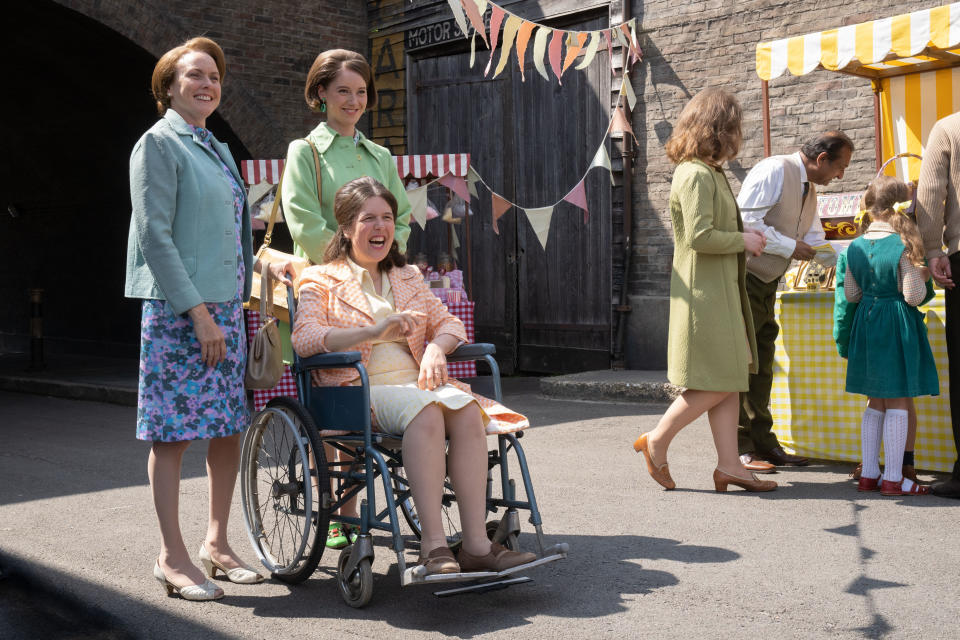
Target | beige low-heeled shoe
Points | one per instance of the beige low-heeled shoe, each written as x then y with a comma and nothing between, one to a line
238,575
196,592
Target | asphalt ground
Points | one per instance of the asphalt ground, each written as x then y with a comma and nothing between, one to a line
814,559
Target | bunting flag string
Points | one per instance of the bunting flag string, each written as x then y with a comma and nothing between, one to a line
517,33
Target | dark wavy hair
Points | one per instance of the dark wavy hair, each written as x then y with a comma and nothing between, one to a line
347,203
828,142
708,129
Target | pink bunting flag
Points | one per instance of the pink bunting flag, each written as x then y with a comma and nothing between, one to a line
578,197
496,19
457,185
476,19
620,123
556,42
634,48
500,207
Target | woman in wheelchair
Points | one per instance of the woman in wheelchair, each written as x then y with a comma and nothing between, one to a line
365,297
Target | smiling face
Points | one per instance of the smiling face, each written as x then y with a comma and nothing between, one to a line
346,99
828,169
195,90
371,234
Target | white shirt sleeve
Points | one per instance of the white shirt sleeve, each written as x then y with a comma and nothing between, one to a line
761,190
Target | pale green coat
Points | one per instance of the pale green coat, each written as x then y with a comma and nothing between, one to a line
710,319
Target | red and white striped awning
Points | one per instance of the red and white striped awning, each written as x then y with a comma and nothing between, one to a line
416,166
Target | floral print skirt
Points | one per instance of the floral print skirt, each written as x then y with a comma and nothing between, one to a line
181,398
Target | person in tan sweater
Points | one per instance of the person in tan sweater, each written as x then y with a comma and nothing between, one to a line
938,216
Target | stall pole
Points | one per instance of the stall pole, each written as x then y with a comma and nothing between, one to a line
765,100
877,129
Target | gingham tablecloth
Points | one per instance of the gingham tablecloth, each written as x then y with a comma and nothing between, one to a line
812,413
287,386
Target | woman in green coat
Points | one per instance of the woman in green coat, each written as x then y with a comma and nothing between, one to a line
711,346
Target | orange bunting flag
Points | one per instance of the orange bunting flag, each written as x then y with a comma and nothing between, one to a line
619,123
556,42
523,37
496,18
578,197
573,51
499,206
476,19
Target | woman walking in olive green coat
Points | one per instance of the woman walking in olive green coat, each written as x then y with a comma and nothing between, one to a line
711,347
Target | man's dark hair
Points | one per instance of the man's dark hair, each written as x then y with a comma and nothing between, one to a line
829,142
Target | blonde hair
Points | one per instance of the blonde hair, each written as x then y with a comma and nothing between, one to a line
166,68
708,129
347,203
878,201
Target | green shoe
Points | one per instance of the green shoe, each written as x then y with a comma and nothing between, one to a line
336,538
353,532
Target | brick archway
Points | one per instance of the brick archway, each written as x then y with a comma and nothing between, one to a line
156,29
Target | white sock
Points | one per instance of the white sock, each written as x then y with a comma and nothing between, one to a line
870,429
894,442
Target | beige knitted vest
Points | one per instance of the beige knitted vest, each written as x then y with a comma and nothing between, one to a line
791,216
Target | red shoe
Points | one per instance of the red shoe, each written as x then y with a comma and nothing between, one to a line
868,484
888,488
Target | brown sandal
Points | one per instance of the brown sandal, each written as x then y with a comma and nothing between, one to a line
499,559
440,560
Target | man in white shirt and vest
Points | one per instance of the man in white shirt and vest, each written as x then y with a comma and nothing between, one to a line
938,216
778,197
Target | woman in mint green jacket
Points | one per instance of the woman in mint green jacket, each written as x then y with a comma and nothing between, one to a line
189,258
340,87
711,347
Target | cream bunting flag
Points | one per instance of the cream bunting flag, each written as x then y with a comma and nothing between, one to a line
499,206
418,205
457,10
540,221
472,179
601,159
626,88
591,51
509,33
539,49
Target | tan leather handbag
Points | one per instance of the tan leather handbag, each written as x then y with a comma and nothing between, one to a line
265,353
266,254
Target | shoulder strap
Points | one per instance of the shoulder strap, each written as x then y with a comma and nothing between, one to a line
268,236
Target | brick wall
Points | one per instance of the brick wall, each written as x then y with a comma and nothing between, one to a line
688,46
269,46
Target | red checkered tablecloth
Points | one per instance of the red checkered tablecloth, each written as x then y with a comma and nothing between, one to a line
287,386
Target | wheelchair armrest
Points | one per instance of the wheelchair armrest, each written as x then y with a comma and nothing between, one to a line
334,360
468,352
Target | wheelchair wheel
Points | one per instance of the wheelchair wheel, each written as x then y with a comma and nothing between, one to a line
356,589
510,542
284,481
449,512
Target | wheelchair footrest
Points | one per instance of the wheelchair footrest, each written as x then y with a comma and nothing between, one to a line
417,574
481,587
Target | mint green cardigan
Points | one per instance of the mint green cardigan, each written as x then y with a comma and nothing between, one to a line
182,243
311,222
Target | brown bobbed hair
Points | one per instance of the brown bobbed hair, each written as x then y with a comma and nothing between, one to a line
882,194
166,69
708,129
347,203
326,67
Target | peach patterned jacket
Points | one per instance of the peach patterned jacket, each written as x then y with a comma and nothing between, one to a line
330,297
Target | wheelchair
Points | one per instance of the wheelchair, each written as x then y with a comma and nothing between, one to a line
287,498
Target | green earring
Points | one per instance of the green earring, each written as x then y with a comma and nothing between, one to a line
323,105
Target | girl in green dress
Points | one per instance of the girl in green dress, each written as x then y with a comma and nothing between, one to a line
889,357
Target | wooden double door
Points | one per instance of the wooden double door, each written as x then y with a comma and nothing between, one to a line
546,309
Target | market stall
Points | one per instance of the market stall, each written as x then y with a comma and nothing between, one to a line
912,63
261,175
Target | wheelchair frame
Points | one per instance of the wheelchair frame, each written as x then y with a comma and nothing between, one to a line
303,507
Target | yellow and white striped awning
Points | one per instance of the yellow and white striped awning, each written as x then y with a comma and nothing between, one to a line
911,42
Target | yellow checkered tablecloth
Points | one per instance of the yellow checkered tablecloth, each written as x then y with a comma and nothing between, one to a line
814,416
